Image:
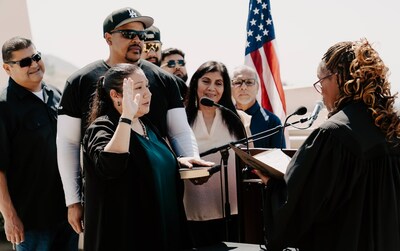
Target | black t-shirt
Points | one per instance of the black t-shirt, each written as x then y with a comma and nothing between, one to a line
80,88
28,155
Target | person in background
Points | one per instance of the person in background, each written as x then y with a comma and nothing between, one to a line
123,31
31,193
205,201
152,52
341,189
173,61
132,180
245,87
152,45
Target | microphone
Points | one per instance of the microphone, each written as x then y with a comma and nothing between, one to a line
209,102
314,114
299,111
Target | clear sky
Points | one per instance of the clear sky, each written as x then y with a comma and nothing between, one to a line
216,30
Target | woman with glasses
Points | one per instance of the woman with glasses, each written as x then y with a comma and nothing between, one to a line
341,190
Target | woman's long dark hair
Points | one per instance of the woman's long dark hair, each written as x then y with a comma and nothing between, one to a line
112,80
363,77
192,101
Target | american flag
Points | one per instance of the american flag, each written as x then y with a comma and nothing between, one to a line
261,54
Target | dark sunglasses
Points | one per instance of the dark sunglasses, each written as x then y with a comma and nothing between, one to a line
26,62
172,63
130,34
151,46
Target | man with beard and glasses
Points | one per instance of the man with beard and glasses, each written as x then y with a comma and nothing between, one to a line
124,32
173,61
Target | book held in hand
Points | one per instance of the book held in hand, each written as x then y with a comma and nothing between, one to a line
272,162
198,171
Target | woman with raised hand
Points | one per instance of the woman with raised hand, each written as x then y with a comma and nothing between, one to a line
132,183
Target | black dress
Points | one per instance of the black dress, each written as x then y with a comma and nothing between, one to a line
342,189
137,192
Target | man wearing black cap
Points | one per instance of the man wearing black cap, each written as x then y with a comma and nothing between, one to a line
124,33
152,45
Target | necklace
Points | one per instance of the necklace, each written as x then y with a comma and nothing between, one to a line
144,130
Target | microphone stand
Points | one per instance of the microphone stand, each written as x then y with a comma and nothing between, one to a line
224,150
254,137
225,156
227,208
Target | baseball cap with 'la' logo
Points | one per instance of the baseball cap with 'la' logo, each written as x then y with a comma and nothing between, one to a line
123,16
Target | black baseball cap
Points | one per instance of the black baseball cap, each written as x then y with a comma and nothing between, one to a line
152,34
123,16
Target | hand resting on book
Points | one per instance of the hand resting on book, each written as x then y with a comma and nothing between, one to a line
189,162
199,174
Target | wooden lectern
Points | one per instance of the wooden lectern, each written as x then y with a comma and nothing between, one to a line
250,201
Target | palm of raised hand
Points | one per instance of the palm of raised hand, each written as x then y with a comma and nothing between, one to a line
130,99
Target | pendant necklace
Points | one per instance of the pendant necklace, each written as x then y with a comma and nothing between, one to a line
144,130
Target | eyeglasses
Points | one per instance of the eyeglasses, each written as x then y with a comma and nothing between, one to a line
318,86
237,83
172,63
131,34
151,46
26,62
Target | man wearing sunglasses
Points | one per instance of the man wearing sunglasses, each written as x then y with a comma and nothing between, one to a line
173,61
245,87
124,32
32,197
152,45
152,52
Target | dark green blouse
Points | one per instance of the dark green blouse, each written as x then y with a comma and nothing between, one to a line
136,192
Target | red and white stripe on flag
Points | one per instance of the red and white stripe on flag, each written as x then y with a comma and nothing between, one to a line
261,54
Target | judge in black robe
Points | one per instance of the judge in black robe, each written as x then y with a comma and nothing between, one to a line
341,190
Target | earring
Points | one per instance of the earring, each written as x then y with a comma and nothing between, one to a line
118,103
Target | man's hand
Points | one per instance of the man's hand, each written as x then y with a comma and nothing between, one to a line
14,229
75,217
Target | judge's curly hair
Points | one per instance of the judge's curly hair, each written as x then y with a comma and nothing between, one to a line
363,77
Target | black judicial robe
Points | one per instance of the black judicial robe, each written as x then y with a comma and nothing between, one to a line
341,190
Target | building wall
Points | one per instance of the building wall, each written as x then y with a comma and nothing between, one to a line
14,20
302,96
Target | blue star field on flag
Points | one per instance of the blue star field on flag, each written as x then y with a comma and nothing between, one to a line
260,28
